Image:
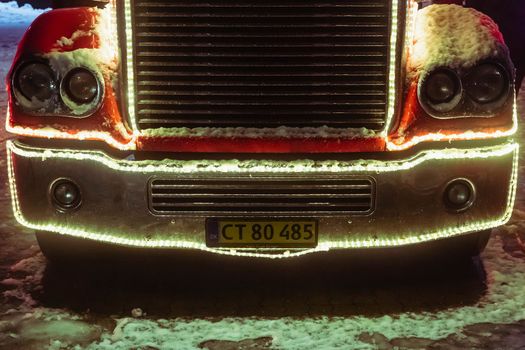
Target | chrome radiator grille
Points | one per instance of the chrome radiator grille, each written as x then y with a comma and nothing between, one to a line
261,63
272,196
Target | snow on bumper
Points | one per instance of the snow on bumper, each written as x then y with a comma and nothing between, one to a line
409,196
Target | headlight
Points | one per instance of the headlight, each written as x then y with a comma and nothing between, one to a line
441,90
441,87
35,81
487,83
81,86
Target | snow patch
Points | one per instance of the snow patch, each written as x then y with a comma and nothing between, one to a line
62,330
280,132
13,15
45,329
70,41
452,36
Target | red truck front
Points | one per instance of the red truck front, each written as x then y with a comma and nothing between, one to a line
262,128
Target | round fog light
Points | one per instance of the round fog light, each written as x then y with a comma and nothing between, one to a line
459,195
65,194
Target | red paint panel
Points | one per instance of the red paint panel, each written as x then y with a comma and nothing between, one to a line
260,145
46,34
47,29
415,122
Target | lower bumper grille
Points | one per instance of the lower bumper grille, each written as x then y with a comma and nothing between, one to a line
262,196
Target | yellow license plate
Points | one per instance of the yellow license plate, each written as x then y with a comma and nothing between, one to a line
291,233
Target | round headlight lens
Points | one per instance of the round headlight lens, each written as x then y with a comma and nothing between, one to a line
441,86
81,85
487,83
35,80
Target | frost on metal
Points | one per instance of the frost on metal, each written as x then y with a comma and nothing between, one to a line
280,132
452,36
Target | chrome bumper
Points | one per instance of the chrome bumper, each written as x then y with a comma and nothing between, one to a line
409,205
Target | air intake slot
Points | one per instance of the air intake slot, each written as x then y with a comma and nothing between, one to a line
267,196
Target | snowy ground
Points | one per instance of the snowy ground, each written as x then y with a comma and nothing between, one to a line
13,15
191,304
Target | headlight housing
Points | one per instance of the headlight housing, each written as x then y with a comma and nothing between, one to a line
487,83
442,90
81,91
35,85
81,85
45,89
480,91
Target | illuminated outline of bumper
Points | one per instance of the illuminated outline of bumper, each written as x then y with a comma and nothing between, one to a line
225,167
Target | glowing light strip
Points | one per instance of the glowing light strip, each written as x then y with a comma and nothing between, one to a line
468,135
392,74
400,240
79,135
251,166
129,64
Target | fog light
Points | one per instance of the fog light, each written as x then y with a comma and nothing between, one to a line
459,195
65,194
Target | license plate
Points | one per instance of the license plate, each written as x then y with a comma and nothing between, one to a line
286,233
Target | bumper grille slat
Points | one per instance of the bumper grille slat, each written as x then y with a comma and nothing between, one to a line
262,196
261,63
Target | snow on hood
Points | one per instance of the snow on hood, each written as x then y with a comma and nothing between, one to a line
452,36
104,27
13,15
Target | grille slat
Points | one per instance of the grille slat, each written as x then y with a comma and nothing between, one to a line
202,120
324,195
185,93
213,52
226,25
261,63
257,3
252,84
